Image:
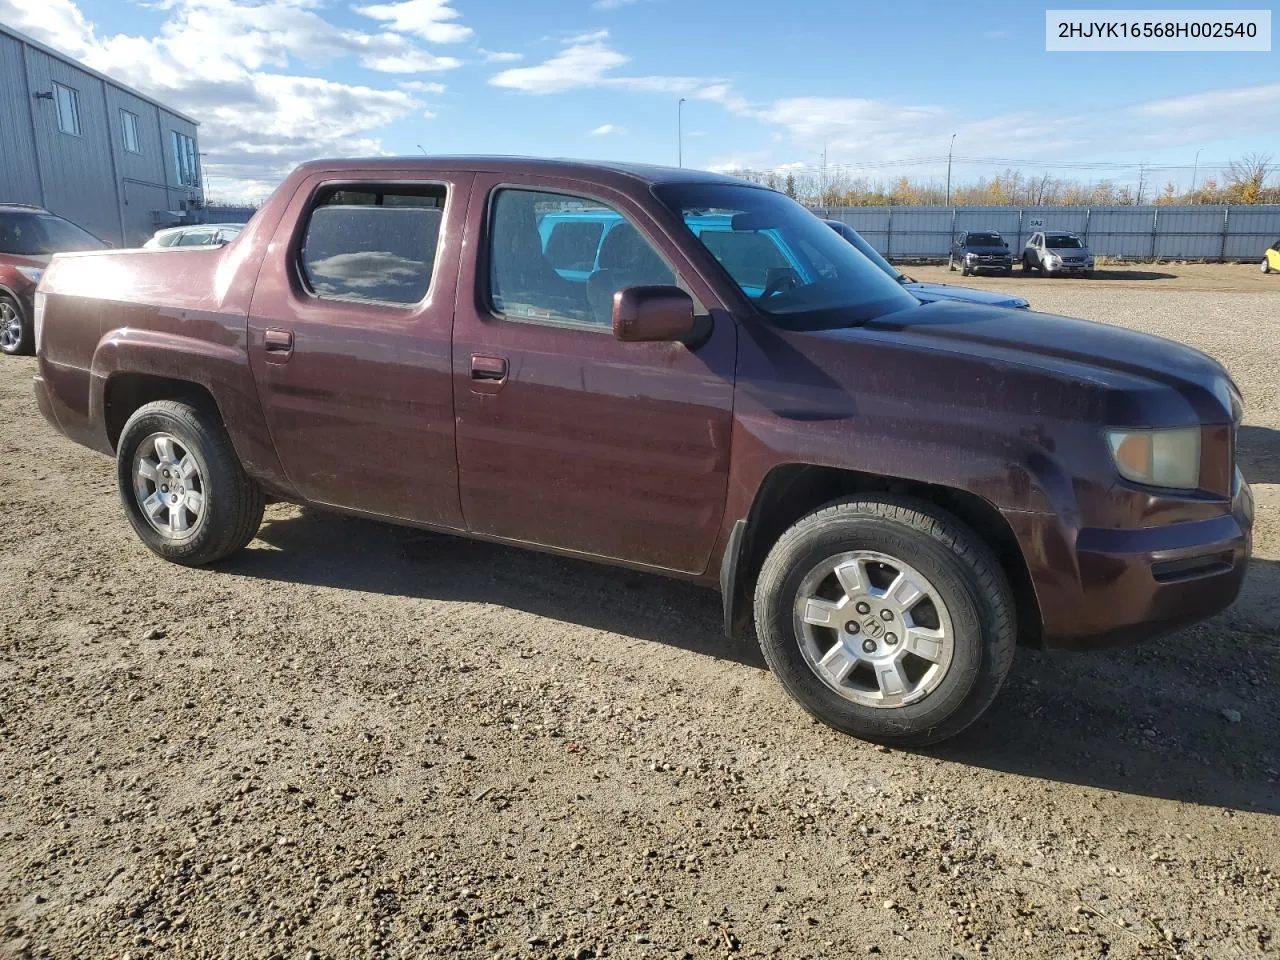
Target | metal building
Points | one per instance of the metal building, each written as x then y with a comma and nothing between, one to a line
90,149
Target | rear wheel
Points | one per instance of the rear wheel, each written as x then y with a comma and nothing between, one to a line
15,332
186,494
886,619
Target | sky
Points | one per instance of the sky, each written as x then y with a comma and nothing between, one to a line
767,85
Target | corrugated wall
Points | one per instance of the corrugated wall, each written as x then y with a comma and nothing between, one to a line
1193,233
77,171
19,173
90,178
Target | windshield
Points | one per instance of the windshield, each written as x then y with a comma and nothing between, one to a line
40,234
867,250
984,240
1059,241
789,263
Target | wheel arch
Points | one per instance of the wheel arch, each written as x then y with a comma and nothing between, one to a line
793,490
125,392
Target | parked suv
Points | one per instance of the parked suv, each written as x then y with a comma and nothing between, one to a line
978,250
722,391
925,292
1057,253
28,236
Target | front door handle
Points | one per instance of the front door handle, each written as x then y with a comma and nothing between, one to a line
492,369
278,344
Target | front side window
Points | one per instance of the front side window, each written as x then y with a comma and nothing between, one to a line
789,263
40,234
196,238
524,281
373,243
68,101
129,130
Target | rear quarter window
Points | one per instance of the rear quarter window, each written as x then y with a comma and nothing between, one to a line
373,243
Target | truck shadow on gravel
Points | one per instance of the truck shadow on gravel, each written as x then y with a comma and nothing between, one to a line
1259,454
1191,717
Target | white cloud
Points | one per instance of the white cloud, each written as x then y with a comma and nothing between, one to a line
418,86
607,128
214,60
430,19
499,56
588,61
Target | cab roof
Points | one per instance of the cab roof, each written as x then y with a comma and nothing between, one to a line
516,166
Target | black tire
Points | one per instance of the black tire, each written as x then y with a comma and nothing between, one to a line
964,270
1026,264
961,568
232,503
16,339
1266,265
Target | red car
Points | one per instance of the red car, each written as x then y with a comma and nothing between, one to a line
28,237
672,371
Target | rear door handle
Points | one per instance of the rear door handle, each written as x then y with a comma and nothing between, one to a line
493,369
278,344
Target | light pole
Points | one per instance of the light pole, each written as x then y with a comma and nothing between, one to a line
1195,168
949,149
680,132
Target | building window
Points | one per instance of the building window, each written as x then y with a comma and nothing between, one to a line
184,158
129,125
68,101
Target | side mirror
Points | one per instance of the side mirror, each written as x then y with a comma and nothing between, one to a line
653,313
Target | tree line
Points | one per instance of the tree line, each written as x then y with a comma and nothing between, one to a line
1242,181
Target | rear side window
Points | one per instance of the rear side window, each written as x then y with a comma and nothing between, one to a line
373,243
196,238
572,244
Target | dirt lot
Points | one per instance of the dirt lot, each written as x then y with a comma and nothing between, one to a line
363,741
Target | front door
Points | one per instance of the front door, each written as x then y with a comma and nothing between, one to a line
568,438
349,339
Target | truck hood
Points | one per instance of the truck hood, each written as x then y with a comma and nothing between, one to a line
929,292
1135,370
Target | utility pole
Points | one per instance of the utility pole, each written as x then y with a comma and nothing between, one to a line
824,176
1142,182
680,132
1195,168
949,150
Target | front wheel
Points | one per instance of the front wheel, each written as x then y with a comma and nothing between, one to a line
887,620
186,494
1266,266
15,332
1026,264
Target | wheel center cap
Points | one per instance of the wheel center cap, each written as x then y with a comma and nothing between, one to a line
873,628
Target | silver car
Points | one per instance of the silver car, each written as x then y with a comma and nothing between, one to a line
196,235
1057,252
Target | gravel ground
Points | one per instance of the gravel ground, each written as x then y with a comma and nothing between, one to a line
363,741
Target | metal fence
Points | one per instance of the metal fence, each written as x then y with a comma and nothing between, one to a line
1137,233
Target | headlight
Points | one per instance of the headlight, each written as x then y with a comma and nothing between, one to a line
32,273
1052,259
1159,458
971,256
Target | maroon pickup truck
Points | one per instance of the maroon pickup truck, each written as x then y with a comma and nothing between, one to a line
672,371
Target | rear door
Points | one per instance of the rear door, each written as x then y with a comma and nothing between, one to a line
568,438
349,339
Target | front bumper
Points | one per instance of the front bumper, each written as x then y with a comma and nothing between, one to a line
1069,268
1004,264
1136,584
